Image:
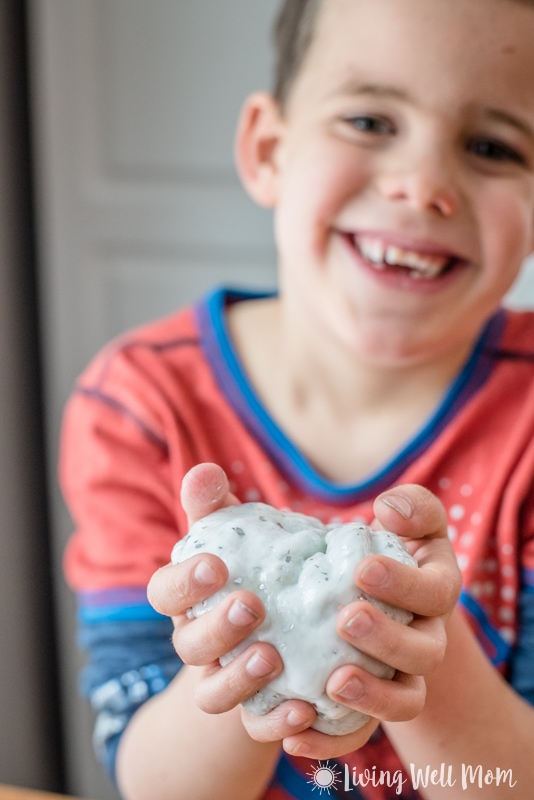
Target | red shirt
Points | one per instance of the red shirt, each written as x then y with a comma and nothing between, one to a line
172,394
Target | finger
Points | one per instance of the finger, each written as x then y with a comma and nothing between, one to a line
220,630
286,719
313,744
176,587
205,489
223,688
430,590
394,700
415,649
411,511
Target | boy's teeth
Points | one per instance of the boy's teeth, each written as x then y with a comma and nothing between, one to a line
381,255
375,252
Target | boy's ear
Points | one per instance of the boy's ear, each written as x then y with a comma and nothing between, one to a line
258,136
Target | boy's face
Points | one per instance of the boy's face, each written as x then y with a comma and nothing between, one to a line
405,171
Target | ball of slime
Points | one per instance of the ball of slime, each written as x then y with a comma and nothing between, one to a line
303,572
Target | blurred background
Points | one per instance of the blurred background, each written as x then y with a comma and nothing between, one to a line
118,203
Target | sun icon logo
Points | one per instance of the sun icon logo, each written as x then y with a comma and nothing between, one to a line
324,777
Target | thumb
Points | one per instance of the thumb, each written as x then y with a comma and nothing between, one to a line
411,511
205,489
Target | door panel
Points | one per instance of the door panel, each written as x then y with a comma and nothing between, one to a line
139,207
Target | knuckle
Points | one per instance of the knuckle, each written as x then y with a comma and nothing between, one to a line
415,700
171,590
208,701
407,587
193,646
380,707
451,586
270,727
237,683
392,647
409,700
158,593
438,650
432,645
182,646
455,585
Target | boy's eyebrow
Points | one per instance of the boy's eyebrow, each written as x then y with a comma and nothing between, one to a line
498,115
373,89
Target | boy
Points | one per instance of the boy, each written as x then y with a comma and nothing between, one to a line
398,155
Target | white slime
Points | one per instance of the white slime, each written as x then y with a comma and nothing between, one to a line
303,572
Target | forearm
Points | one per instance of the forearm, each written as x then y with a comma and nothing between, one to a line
173,749
471,718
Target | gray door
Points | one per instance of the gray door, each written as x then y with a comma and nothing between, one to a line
139,207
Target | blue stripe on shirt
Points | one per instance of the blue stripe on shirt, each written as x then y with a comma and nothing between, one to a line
115,605
496,647
528,579
117,613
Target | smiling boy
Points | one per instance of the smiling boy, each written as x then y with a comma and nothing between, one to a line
398,156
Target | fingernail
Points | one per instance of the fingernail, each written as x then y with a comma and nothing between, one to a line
353,689
375,574
258,667
360,625
400,504
205,574
241,615
296,720
299,749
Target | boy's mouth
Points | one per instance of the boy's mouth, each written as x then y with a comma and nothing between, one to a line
420,264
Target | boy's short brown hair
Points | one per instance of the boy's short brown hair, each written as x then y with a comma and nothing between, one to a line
293,33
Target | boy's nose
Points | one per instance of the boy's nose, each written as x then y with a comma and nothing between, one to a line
426,184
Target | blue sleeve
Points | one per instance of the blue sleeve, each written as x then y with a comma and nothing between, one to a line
521,672
129,661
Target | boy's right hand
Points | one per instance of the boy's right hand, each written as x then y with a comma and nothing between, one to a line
201,642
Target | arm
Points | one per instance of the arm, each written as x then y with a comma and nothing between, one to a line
472,716
128,661
115,479
172,740
172,743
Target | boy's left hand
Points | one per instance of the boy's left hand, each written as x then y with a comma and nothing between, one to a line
429,591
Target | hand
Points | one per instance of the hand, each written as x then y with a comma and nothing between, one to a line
430,592
201,642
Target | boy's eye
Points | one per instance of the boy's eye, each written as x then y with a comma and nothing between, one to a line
370,124
494,151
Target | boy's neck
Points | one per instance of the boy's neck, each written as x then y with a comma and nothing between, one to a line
347,416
